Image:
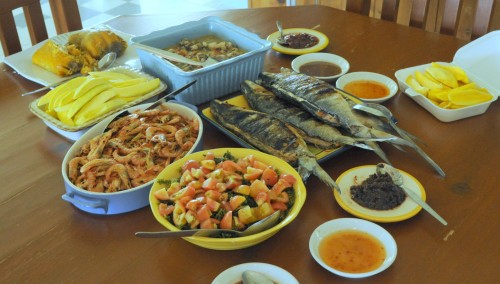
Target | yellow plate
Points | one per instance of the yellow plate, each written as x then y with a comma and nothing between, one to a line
172,172
357,175
321,155
323,41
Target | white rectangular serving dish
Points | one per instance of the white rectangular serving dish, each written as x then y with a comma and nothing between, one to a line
480,59
213,81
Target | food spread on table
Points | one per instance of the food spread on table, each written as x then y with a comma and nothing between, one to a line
80,53
288,112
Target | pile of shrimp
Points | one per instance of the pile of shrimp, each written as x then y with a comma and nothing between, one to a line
134,150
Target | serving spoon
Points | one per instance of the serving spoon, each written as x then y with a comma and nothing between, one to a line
174,56
104,63
255,228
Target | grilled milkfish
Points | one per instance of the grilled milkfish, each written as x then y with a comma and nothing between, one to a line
324,102
272,136
263,100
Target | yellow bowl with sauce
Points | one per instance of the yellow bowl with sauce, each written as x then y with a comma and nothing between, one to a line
352,248
324,66
368,86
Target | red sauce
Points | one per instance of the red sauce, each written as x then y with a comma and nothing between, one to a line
367,89
352,251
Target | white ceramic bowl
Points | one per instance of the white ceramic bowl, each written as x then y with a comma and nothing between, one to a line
369,76
322,57
360,225
275,273
121,201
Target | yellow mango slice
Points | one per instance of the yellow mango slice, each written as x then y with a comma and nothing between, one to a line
85,98
94,104
106,107
137,89
130,82
427,82
437,95
458,72
89,84
469,97
110,75
443,76
415,85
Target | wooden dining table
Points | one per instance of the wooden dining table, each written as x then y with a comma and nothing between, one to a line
44,239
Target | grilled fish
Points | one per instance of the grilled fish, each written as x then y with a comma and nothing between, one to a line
272,136
324,102
263,100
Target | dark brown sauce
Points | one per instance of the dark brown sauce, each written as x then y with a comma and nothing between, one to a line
299,40
320,69
378,192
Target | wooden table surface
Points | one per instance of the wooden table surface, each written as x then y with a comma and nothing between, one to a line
45,239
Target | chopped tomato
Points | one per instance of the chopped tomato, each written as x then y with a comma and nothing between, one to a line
203,213
193,204
213,205
208,224
190,164
277,205
269,176
231,166
161,194
210,156
236,201
259,165
165,209
227,220
256,187
261,197
213,194
209,184
289,178
252,173
208,164
242,189
280,186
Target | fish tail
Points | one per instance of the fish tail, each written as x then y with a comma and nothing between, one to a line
309,165
376,148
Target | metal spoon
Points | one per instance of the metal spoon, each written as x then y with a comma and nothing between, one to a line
174,56
381,111
397,178
105,62
255,228
280,29
254,277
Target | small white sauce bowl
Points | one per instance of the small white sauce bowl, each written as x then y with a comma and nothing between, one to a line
342,224
322,57
369,76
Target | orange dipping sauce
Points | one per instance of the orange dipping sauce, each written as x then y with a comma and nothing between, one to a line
367,89
352,251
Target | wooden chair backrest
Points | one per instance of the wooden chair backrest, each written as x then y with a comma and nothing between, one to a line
65,13
465,19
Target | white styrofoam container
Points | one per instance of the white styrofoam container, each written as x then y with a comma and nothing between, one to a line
213,81
481,61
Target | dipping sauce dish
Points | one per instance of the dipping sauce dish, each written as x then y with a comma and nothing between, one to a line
368,86
324,66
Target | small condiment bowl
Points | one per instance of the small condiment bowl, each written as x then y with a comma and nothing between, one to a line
353,224
322,57
369,76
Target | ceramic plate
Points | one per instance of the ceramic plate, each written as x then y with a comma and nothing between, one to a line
21,61
275,273
357,175
323,41
321,155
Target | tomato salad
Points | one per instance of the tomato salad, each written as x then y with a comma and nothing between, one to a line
225,193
